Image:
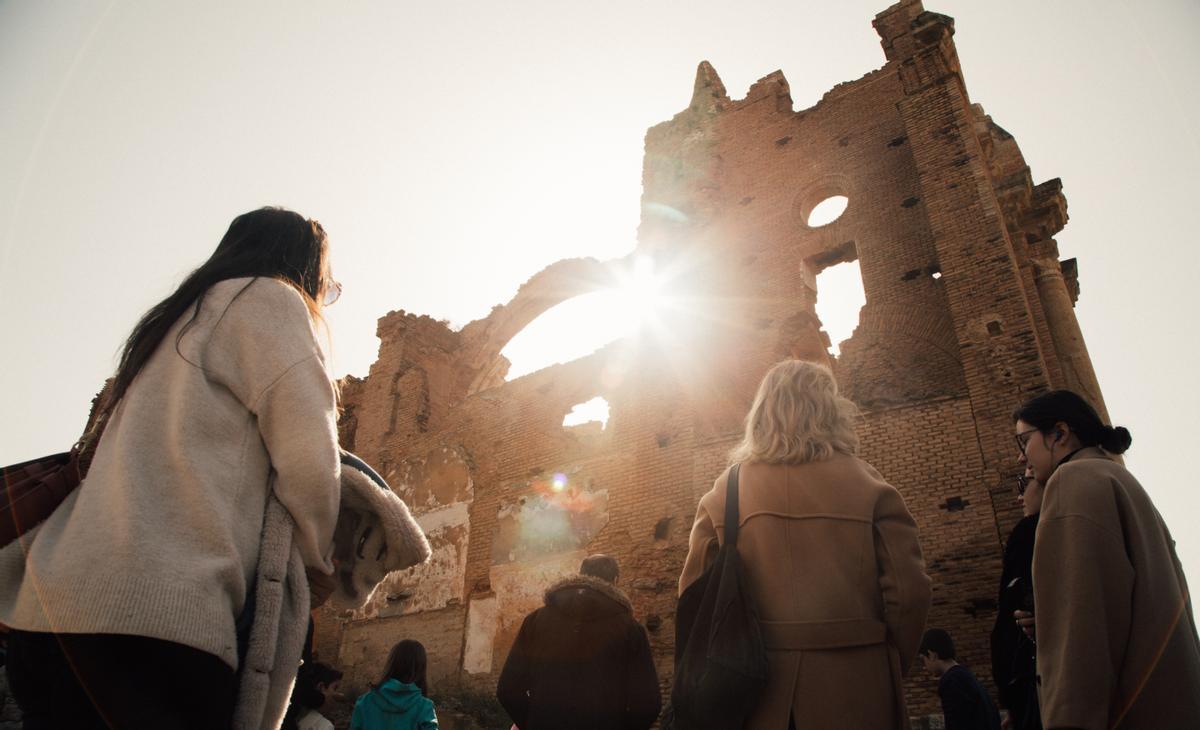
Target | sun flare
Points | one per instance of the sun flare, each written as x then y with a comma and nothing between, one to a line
583,324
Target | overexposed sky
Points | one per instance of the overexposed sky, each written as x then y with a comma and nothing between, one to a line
454,149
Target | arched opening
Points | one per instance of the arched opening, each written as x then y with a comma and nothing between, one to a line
584,324
827,211
840,297
571,330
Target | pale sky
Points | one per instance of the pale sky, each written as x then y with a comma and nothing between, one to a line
454,149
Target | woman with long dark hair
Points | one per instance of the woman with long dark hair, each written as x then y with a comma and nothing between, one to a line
399,700
126,600
1116,641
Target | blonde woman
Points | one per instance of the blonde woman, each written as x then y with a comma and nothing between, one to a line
830,555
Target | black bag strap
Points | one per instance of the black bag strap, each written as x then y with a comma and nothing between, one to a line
731,507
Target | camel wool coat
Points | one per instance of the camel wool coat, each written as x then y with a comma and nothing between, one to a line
832,560
1116,640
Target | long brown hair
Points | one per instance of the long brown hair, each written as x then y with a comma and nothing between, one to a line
268,242
406,662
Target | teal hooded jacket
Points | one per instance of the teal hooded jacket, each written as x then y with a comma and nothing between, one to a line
395,705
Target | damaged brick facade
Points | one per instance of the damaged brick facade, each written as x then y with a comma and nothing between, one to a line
968,312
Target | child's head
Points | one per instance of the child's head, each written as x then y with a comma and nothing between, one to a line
315,682
937,651
406,662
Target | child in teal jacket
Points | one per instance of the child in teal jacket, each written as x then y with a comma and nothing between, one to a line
398,702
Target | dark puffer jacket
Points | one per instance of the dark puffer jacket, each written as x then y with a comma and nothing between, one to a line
581,662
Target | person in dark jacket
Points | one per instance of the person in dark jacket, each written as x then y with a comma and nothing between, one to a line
1014,654
581,661
965,703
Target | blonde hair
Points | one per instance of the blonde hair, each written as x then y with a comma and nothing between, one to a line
797,417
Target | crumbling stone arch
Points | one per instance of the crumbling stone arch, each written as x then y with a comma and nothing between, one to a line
553,285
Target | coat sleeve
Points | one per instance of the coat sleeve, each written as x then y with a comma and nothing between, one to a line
296,418
902,580
702,548
515,679
356,719
1083,585
428,719
643,697
265,352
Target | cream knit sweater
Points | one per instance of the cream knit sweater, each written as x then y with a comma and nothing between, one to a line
162,538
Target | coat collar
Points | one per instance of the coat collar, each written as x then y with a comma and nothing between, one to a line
596,584
1091,452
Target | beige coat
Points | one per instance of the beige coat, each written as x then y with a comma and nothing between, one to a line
832,561
1117,644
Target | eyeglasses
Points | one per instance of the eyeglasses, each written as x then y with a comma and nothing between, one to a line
1023,439
332,292
1022,484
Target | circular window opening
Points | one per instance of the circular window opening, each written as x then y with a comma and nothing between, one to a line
827,211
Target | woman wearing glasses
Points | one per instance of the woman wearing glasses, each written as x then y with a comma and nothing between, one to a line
125,602
1116,642
1013,653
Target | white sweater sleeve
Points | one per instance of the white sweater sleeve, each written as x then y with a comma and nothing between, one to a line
297,423
264,350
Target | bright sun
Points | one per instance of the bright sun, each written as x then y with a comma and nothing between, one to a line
584,324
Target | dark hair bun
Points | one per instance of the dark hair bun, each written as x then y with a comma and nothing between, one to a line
1116,440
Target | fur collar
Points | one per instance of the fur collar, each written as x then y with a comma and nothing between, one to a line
596,584
375,535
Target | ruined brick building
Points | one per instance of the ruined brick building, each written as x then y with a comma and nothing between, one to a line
968,311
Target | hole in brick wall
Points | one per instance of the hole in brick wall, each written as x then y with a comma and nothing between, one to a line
588,322
571,330
897,141
910,275
662,528
840,297
954,504
663,440
592,411
980,606
653,622
909,202
827,211
995,328
783,140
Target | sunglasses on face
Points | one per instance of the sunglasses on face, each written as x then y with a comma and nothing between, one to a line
1022,484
